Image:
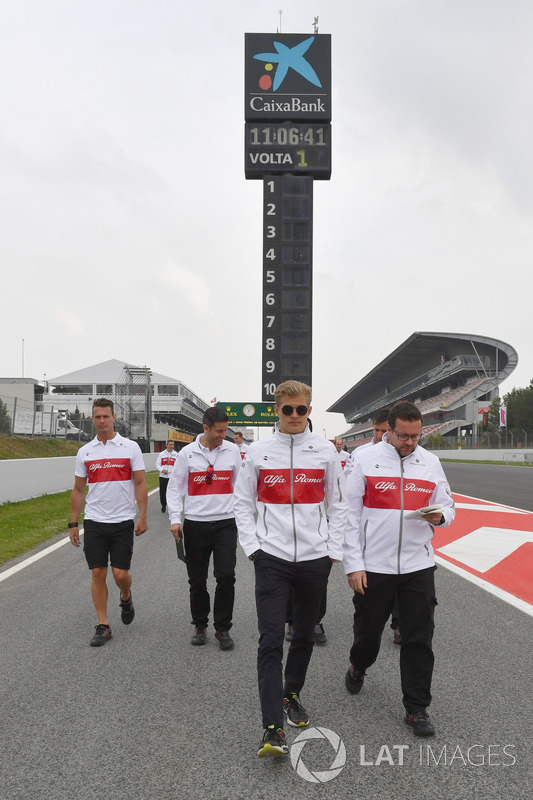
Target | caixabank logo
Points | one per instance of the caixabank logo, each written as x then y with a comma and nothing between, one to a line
287,77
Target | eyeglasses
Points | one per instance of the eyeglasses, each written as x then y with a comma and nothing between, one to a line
210,474
300,410
404,437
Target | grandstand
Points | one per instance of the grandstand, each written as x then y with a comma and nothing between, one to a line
449,376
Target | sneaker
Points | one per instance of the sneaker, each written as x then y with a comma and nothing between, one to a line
354,680
294,711
290,633
103,633
127,611
397,636
199,636
163,509
420,723
225,641
273,743
319,634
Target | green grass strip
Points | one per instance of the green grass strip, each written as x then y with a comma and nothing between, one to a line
28,523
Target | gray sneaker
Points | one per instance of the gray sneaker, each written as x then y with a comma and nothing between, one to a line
199,636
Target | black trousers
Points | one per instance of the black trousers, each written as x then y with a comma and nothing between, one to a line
416,601
201,539
274,581
321,611
163,484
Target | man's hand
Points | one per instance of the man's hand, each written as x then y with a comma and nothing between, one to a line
357,581
74,536
141,526
434,519
175,530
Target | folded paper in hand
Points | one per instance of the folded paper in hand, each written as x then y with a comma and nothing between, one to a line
420,513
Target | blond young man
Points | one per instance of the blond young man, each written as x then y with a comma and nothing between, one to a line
279,508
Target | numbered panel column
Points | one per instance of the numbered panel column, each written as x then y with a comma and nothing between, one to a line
287,281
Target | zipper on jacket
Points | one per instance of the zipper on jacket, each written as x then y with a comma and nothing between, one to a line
265,526
364,537
401,515
292,497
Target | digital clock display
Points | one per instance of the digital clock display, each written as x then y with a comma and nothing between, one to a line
278,148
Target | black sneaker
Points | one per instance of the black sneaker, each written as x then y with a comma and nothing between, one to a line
199,636
354,680
163,509
296,714
319,634
225,641
397,636
273,743
103,633
420,723
127,611
290,633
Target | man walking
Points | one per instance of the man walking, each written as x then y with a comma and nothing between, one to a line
283,529
200,506
240,444
165,465
114,468
388,552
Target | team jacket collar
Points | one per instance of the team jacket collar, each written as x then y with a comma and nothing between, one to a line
295,438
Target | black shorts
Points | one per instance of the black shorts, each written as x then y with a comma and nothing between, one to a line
108,541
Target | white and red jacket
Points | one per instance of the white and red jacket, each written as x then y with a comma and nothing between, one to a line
381,487
188,494
285,479
166,460
243,449
109,469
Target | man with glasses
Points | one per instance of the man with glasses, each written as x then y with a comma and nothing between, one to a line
200,507
283,529
388,552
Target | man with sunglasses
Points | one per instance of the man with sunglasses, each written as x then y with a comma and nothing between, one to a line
200,507
388,553
283,529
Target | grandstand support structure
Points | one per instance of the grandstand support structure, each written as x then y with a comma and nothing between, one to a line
133,402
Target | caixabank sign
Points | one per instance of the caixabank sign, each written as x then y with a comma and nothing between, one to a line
287,77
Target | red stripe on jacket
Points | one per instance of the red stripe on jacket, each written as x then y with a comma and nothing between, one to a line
274,486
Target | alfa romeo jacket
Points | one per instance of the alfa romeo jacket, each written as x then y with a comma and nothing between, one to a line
382,487
280,493
190,495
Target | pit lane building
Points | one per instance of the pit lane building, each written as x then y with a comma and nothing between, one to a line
451,377
150,407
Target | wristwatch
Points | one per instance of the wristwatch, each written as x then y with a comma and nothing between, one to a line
253,555
72,524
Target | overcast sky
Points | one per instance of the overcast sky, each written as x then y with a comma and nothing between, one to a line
128,229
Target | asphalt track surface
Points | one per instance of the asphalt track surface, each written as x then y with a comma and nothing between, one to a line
150,717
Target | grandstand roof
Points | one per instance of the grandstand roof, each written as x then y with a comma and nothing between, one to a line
419,355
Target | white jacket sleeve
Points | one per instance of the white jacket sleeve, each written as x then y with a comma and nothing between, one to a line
335,489
245,505
158,465
355,491
442,494
177,489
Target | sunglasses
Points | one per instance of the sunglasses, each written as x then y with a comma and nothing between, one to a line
210,474
300,410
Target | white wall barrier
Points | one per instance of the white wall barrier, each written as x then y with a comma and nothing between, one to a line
22,478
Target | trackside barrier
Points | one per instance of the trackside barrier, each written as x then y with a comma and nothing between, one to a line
22,478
